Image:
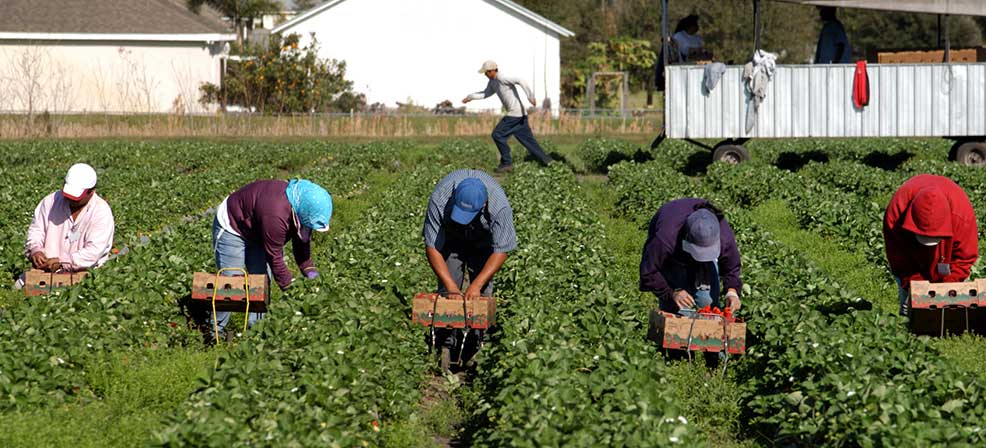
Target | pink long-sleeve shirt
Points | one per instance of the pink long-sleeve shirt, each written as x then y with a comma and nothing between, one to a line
80,243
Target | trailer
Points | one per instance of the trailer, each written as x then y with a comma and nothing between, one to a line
946,100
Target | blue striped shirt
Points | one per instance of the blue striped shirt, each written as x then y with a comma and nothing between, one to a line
497,218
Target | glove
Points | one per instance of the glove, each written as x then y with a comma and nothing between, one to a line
311,274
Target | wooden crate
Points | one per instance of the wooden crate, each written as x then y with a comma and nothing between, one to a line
231,294
432,309
41,283
709,333
931,296
926,56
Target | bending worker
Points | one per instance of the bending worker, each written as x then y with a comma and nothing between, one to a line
515,122
930,233
690,249
253,224
72,229
468,226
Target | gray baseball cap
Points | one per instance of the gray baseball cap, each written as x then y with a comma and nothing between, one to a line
702,236
487,66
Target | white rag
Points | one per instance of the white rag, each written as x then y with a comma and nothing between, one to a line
713,72
756,75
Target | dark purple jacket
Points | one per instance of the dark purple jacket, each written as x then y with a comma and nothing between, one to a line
261,213
664,244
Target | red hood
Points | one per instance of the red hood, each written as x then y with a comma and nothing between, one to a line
929,214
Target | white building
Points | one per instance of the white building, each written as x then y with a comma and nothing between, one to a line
429,51
107,55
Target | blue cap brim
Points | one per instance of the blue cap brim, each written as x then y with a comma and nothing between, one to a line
699,253
463,216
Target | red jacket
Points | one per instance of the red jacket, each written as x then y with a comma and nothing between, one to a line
931,206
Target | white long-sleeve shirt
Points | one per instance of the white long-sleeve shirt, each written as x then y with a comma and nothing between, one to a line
80,243
505,87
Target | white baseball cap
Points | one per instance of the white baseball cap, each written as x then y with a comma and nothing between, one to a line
487,66
928,240
80,178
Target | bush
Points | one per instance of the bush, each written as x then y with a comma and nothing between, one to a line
598,153
285,78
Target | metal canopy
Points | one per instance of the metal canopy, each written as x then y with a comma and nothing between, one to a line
949,7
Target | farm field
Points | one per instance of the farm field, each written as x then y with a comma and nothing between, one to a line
338,363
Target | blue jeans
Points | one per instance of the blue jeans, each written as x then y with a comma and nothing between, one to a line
517,127
233,251
903,295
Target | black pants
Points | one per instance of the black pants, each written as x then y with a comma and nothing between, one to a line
518,127
462,258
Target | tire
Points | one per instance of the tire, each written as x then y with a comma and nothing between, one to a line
971,154
731,154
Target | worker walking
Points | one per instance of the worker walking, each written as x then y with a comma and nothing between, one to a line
690,250
468,228
72,229
930,234
515,122
253,225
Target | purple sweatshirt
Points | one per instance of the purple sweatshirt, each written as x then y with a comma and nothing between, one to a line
260,212
664,244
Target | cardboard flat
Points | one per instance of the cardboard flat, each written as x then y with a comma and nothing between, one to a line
931,296
443,312
709,333
231,294
41,283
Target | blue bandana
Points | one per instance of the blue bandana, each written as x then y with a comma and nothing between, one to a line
311,203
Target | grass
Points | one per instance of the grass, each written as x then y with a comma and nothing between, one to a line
135,388
851,270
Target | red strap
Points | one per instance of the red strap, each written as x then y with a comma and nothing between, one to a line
861,86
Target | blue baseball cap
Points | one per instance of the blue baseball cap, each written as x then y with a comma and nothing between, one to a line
468,200
702,236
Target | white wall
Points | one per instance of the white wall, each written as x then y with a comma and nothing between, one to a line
62,76
428,51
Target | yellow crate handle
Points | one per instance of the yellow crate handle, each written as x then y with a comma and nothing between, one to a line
215,292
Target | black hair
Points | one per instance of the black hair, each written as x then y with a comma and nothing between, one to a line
686,22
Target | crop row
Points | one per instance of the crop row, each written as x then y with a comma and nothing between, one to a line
337,362
820,372
569,364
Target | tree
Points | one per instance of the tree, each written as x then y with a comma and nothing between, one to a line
240,12
285,78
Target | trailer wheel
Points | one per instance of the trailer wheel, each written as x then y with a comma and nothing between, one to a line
731,154
971,154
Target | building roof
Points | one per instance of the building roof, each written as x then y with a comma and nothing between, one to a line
522,12
951,7
109,20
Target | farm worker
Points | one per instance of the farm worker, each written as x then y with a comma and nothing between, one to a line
690,249
253,224
469,226
833,44
72,229
515,122
930,233
690,44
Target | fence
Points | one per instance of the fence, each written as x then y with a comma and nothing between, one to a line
378,125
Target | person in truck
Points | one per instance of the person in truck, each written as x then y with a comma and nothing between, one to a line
253,225
930,233
690,257
73,228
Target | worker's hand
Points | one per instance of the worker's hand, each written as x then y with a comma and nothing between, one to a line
473,292
533,101
310,274
38,259
466,100
733,301
683,299
53,265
